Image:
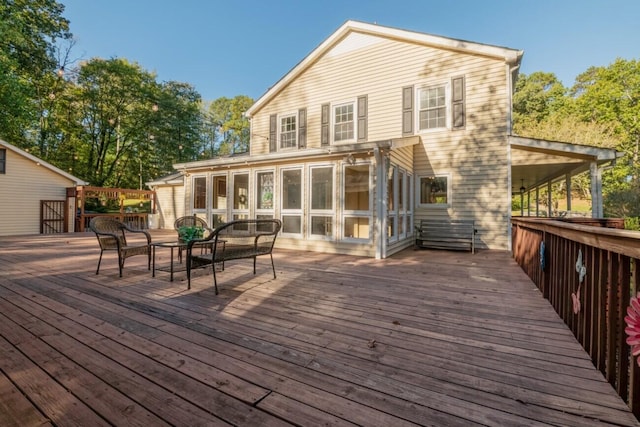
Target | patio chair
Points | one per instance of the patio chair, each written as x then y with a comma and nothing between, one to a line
112,236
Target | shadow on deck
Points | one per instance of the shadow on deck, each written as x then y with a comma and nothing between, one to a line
422,338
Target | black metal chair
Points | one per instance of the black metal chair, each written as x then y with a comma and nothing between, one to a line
112,236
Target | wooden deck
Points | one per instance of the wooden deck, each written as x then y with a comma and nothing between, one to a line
422,338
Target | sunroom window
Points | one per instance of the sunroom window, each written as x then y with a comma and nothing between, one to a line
200,192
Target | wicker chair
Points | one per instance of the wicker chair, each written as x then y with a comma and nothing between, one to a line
111,235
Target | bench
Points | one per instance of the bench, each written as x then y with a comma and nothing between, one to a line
453,234
247,238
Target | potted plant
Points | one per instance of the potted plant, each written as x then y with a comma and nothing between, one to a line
187,233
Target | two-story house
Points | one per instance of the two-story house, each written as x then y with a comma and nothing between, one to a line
375,129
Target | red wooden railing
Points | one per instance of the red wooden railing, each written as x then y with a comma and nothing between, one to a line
610,257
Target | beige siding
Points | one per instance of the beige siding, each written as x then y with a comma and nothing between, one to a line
21,189
170,204
476,157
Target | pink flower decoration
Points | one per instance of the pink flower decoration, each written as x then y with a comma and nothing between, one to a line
632,330
575,297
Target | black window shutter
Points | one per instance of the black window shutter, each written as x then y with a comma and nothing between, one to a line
302,128
362,118
457,103
324,125
407,110
273,131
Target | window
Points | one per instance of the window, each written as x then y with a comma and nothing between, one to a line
3,160
219,200
291,201
432,107
434,190
240,196
322,194
264,188
399,202
357,203
200,192
288,131
343,125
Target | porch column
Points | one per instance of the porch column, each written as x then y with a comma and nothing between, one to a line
568,186
537,201
596,191
380,210
549,200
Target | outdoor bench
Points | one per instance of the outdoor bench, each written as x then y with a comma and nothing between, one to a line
247,238
454,234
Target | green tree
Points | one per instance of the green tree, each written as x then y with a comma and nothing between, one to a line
536,97
226,127
29,30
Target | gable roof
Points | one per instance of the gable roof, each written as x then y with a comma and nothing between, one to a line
510,56
40,162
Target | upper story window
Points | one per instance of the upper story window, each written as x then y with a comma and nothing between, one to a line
432,107
3,160
288,131
343,123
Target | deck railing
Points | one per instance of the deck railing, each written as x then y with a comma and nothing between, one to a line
549,252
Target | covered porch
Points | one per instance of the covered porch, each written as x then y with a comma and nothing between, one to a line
420,338
536,164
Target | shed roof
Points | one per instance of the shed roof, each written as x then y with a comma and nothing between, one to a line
40,162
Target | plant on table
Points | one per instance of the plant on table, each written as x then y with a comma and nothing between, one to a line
187,233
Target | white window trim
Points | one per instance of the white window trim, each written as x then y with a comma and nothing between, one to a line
447,105
332,119
434,205
279,130
321,212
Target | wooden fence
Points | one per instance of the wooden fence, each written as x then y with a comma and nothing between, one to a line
596,267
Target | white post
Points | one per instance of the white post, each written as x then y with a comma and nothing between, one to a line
568,185
596,191
549,200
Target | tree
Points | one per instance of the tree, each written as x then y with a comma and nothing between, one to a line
536,97
29,30
227,127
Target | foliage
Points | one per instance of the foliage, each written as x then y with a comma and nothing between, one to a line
601,109
109,122
29,30
632,223
227,125
187,233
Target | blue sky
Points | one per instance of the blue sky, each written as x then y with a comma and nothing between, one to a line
229,48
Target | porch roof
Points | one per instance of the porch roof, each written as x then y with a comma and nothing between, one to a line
537,161
307,154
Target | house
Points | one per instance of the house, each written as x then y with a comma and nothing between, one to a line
376,129
33,194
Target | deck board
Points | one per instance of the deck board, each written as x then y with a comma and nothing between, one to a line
423,338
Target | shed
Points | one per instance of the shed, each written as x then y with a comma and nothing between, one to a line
33,194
